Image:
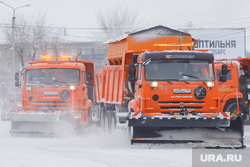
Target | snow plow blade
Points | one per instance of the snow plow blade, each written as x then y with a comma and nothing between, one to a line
216,130
31,116
19,128
35,123
15,132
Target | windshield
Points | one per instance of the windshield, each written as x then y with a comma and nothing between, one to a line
179,70
54,77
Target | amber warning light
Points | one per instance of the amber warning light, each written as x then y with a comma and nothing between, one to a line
46,57
50,57
187,44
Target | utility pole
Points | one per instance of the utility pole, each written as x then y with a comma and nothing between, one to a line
13,61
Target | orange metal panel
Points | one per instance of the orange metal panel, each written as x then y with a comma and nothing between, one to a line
117,49
111,86
98,78
115,86
110,83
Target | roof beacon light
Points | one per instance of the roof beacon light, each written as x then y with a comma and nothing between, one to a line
66,57
46,56
187,44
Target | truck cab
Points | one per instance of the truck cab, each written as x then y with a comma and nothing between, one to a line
177,82
54,91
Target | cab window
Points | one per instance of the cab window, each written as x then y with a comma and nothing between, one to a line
229,76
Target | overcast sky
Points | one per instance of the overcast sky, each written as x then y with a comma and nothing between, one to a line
170,13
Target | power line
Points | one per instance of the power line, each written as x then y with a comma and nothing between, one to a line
224,21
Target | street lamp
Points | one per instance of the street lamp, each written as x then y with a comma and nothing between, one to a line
13,34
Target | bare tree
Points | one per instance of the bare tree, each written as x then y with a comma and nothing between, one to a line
45,38
117,22
56,44
39,40
32,38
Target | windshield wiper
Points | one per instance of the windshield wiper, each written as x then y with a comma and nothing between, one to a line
59,82
184,81
191,76
177,80
50,83
180,80
169,80
41,85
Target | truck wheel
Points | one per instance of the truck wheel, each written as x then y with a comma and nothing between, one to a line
105,122
101,115
111,121
233,109
90,118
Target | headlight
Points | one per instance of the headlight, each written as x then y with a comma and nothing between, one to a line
72,87
28,88
154,84
210,84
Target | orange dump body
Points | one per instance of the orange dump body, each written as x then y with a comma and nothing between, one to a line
117,49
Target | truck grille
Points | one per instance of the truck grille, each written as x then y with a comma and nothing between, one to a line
54,104
176,105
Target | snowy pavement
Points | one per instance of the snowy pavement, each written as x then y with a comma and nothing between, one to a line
94,149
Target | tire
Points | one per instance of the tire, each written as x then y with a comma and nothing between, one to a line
103,119
105,122
90,118
233,109
101,115
111,121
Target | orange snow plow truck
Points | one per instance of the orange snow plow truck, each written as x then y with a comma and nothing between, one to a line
165,90
56,96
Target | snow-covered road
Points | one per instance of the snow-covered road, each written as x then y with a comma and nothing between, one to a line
94,149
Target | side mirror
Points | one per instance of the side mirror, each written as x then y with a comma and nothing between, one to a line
89,83
132,71
90,76
89,79
18,84
223,78
224,69
17,76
